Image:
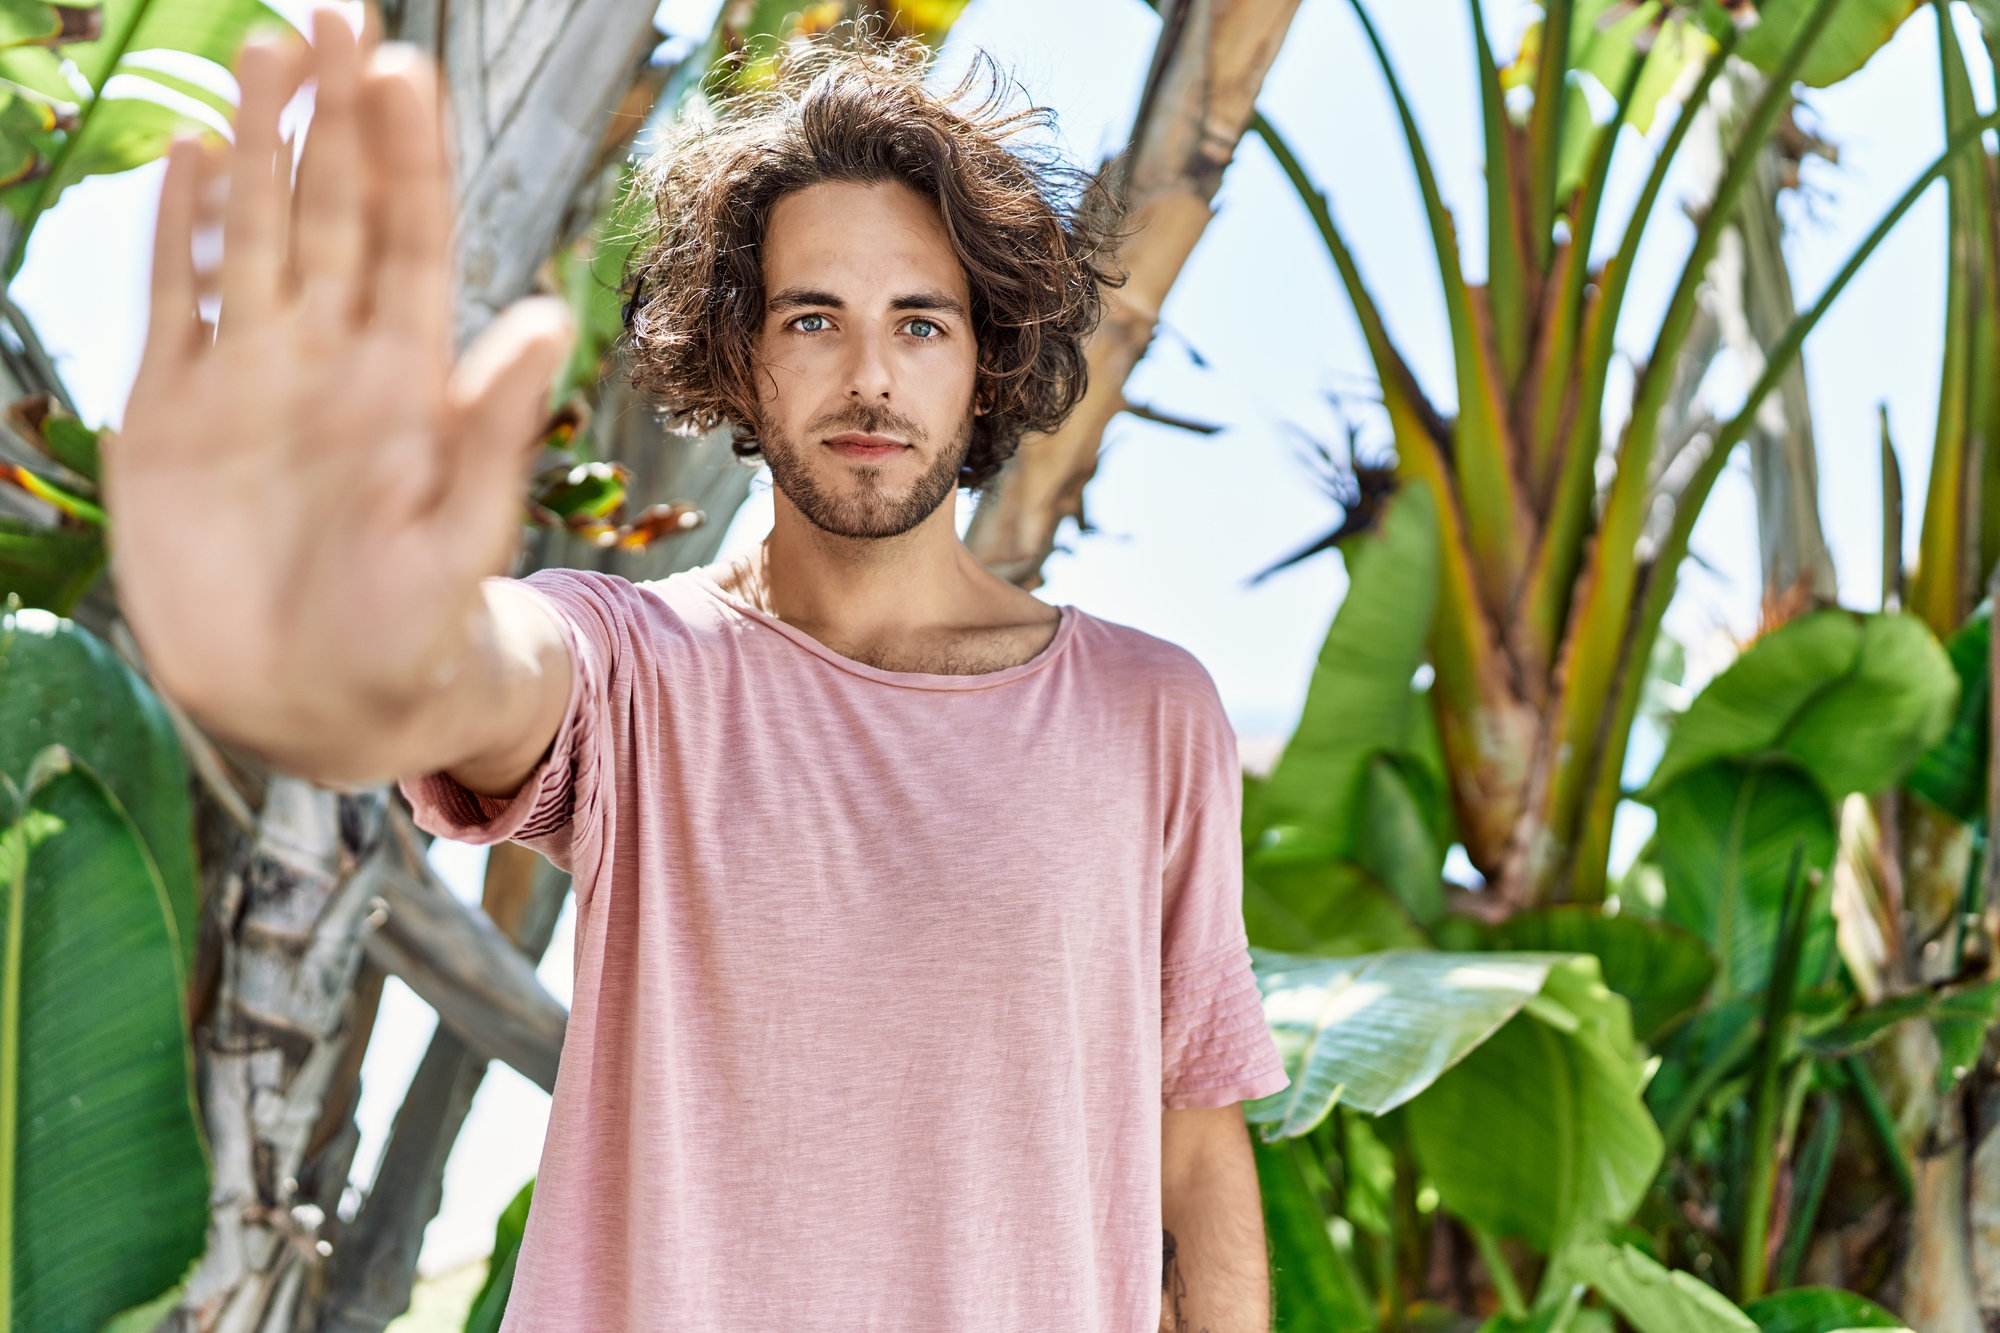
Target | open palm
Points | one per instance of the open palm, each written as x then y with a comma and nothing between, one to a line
305,498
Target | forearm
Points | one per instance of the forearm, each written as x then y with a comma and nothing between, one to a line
1215,1274
485,710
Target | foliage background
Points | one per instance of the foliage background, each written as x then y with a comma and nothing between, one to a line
1258,334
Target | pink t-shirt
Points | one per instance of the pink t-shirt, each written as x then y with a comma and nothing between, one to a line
881,978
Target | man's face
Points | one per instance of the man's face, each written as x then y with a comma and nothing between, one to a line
866,361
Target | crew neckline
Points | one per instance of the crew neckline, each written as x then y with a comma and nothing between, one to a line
909,680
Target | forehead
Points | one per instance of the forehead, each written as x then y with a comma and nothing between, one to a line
867,244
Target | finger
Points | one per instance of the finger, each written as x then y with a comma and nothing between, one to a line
371,28
497,401
404,133
254,225
172,326
327,237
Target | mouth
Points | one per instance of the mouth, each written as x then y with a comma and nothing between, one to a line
864,448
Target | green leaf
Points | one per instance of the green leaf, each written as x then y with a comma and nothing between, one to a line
121,133
1818,1310
1373,1032
1398,840
212,29
1952,773
23,22
1961,1020
72,444
1316,1291
1652,1299
490,1305
50,568
1359,702
1854,699
1330,908
1859,29
37,69
60,685
1661,970
586,491
1558,1085
146,1317
1725,843
110,1193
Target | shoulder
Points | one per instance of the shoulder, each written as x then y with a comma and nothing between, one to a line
1141,667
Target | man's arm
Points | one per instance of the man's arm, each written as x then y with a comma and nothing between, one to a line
307,494
1216,1276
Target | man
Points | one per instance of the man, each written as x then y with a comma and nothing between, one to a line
912,990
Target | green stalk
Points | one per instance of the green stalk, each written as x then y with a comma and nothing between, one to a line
1558,365
1502,1273
1884,1124
1545,128
1390,367
1793,915
1809,1177
1495,519
1552,581
1506,265
1658,587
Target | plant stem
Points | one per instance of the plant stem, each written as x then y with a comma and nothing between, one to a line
1761,1178
1680,1113
1500,1271
1881,1122
1809,1176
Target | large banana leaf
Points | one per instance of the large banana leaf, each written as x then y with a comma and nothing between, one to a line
143,43
1859,29
1375,1031
1360,702
103,1177
1726,837
1559,1086
1333,909
1854,700
60,685
1660,969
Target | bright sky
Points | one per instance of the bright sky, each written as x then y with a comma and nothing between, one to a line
1256,334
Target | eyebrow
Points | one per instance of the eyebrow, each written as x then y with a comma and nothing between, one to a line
793,298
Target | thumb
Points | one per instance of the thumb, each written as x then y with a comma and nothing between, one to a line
497,400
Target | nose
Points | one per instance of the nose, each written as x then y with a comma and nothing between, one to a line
868,376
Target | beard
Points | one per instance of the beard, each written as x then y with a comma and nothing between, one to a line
868,510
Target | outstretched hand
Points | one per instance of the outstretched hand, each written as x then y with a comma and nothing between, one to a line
307,493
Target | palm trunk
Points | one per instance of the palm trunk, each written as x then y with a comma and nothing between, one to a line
1207,72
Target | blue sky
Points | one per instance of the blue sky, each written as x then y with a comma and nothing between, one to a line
1256,335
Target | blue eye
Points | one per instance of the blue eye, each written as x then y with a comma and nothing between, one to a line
810,323
922,328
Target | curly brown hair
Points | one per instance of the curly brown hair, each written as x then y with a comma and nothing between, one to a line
1035,236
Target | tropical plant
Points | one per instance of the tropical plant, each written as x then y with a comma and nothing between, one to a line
1728,974
1551,587
96,1075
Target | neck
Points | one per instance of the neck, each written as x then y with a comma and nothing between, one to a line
862,587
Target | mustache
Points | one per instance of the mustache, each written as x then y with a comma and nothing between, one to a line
867,419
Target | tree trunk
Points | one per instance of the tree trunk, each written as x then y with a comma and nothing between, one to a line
285,1001
1207,72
